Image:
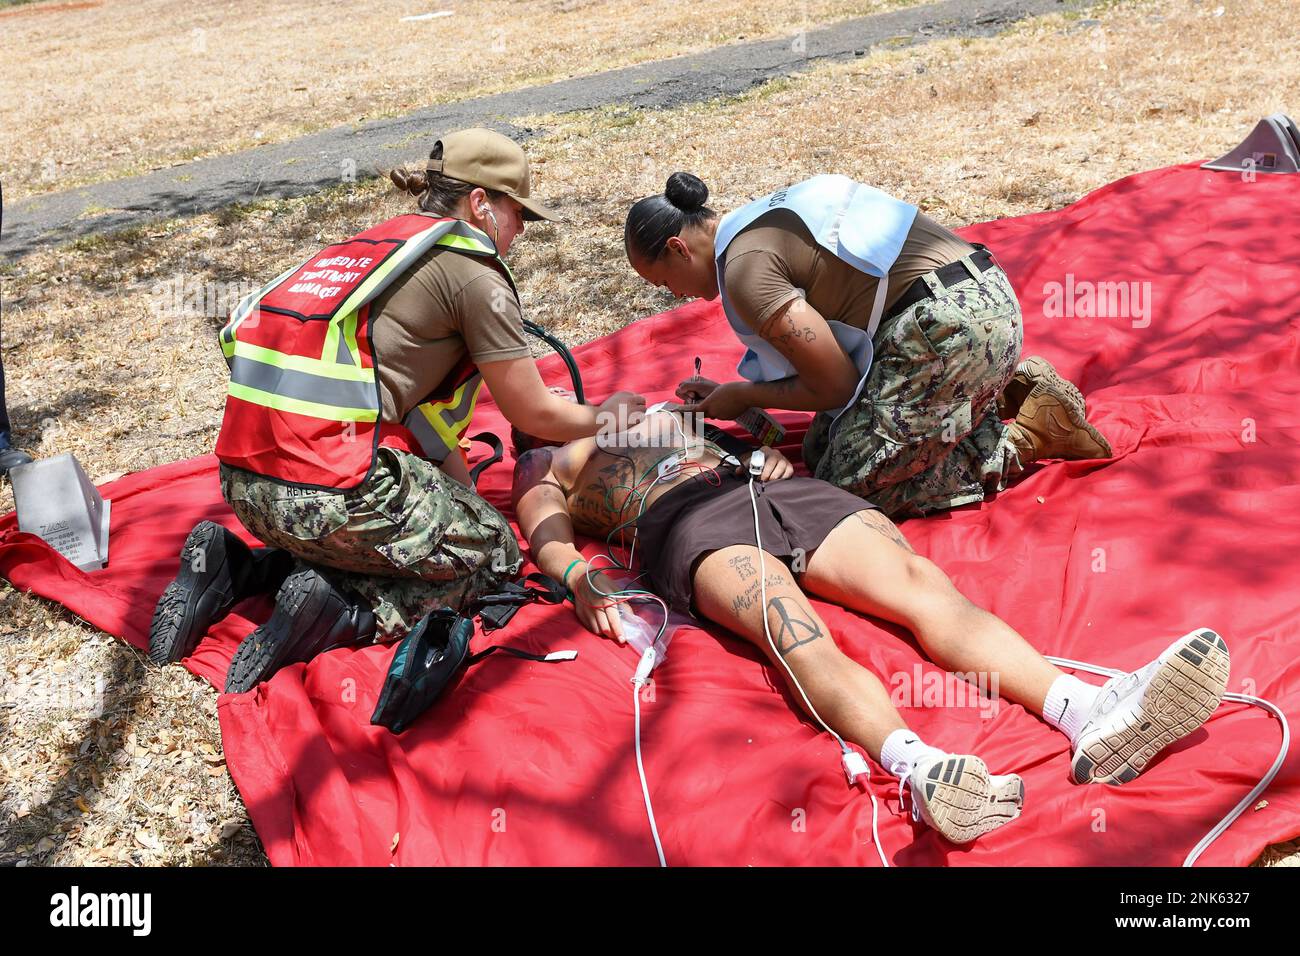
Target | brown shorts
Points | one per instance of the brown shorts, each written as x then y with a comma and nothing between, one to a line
696,518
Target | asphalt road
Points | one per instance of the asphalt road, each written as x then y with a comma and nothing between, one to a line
323,159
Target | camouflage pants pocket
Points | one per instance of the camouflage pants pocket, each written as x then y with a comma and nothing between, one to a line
924,434
906,425
430,524
284,516
486,543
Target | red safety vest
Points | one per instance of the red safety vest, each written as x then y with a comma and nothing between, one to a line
304,401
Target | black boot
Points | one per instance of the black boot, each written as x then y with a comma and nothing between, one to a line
217,572
311,617
10,457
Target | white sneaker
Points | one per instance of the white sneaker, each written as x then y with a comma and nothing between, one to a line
956,795
1139,714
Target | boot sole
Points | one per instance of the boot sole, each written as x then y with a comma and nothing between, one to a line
1181,696
1048,381
1043,376
962,801
299,606
188,605
1027,375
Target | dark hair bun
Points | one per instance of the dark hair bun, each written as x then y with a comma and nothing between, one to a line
687,192
412,182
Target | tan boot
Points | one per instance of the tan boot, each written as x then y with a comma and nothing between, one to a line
1051,424
1030,373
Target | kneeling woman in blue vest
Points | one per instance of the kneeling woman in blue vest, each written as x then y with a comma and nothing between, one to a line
902,337
353,378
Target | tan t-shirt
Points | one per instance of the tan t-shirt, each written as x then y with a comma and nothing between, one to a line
775,259
446,306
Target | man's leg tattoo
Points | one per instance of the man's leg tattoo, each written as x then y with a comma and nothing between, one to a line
795,629
883,526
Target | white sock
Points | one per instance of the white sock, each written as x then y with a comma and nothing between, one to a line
905,747
1068,702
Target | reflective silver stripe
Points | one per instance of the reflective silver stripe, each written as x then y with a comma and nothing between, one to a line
303,386
430,441
469,391
344,356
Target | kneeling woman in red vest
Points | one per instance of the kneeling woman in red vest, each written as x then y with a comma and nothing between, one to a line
353,378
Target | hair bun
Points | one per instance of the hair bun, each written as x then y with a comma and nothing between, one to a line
686,191
412,182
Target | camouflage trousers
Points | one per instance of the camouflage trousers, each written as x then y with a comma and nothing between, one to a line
924,434
408,540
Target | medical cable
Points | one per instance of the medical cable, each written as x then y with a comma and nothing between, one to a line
853,762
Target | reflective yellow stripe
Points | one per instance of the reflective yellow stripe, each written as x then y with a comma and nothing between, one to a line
350,336
434,424
451,430
459,409
472,244
300,363
245,308
345,320
341,348
449,438
331,413
453,241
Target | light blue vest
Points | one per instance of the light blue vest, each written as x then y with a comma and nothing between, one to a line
856,223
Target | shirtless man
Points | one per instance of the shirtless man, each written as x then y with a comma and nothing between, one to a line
695,537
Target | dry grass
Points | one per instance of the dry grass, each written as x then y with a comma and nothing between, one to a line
99,90
1014,124
106,762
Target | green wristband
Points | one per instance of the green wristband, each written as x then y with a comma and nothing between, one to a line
564,578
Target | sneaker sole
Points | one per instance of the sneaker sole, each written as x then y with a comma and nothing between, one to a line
962,801
272,645
187,606
1182,694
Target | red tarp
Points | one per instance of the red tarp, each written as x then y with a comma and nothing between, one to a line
1196,522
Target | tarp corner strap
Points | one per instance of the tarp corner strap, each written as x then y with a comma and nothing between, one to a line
554,657
495,610
498,452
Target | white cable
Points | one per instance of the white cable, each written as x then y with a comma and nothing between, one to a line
661,476
762,586
1258,789
639,679
875,834
647,662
